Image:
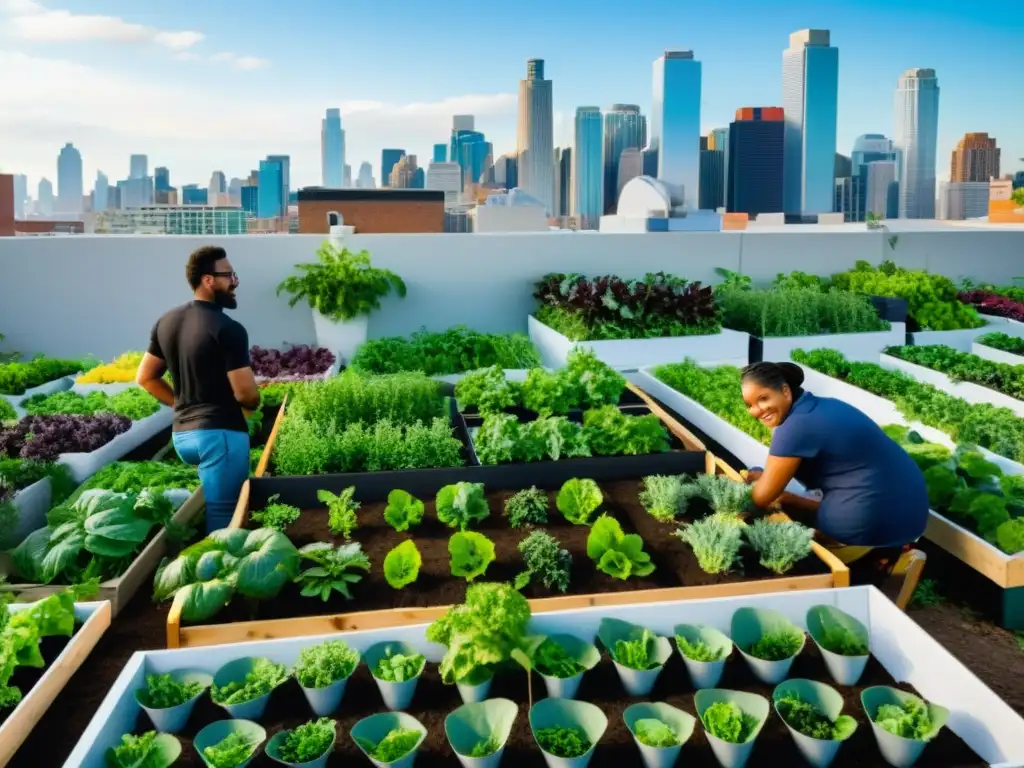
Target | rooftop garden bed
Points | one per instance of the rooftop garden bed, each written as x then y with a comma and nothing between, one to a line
1000,348
297,362
20,378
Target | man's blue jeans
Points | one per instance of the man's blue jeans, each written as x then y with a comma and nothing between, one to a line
222,456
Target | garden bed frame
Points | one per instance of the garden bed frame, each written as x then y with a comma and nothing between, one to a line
996,355
978,716
962,339
120,590
865,346
95,618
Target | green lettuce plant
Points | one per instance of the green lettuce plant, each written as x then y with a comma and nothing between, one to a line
461,504
471,553
404,511
617,554
402,564
726,721
578,500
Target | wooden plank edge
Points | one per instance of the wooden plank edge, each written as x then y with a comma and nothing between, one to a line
217,634
16,729
264,462
686,437
1004,570
241,514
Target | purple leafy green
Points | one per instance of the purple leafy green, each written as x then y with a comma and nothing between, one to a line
44,438
296,362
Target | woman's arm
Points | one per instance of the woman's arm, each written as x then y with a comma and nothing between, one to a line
771,483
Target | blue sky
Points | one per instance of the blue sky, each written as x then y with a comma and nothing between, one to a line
207,85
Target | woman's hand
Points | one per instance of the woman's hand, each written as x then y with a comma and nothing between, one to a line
753,475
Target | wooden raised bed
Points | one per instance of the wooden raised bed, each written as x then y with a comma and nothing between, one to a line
821,571
95,618
120,590
264,462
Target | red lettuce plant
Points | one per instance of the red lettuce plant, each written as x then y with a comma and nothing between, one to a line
46,437
991,303
300,361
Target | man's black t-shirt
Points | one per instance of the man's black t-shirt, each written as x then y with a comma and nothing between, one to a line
200,344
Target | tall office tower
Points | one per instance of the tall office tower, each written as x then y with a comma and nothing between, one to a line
366,180
161,179
624,128
506,172
270,203
332,150
346,177
535,136
101,192
249,198
235,192
440,153
675,122
916,137
447,178
631,165
718,138
138,167
463,123
20,194
756,142
963,200
563,180
472,151
388,159
285,162
44,198
587,182
843,166
193,194
976,158
881,190
404,172
218,188
712,179
810,100
69,180
867,148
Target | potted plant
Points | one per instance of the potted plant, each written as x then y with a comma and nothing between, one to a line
229,743
732,719
342,288
150,749
322,672
561,661
307,746
638,653
396,668
903,723
768,641
169,699
660,730
389,739
567,731
813,713
704,651
243,686
478,731
842,640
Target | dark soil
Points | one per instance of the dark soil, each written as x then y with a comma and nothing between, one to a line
433,701
25,678
674,560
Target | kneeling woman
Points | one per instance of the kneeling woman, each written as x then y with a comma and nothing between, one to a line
873,494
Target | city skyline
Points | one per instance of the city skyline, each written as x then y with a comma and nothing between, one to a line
72,84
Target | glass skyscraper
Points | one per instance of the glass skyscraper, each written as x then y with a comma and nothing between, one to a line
916,137
589,174
756,140
675,122
332,150
285,162
535,136
810,98
624,128
388,159
269,200
440,153
69,180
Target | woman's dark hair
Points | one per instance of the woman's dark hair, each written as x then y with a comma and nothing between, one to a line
775,376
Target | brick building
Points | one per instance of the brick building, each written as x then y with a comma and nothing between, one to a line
9,227
371,211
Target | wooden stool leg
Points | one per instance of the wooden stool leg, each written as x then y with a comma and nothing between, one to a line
915,561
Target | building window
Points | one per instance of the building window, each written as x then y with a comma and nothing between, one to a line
334,219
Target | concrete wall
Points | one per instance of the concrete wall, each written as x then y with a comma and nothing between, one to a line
100,295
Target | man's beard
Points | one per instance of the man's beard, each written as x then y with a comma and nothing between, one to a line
225,299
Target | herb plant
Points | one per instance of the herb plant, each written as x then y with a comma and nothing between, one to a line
16,377
402,564
397,744
777,645
461,504
264,677
341,511
654,733
578,500
961,366
502,439
699,650
137,476
230,752
322,665
164,692
841,640
726,721
564,742
133,403
780,545
716,542
527,507
308,741
399,667
341,285
610,432
277,516
805,718
618,554
552,660
149,750
334,570
485,748
471,553
403,511
1004,341
782,312
666,496
641,653
545,560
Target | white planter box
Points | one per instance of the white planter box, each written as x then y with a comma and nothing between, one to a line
95,618
730,347
85,465
961,340
966,390
884,412
985,723
62,384
860,347
32,503
996,355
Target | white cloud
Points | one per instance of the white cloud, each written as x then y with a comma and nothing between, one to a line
195,126
242,63
32,22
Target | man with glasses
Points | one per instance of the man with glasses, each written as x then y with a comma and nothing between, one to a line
207,354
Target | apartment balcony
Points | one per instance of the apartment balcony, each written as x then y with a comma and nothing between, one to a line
101,294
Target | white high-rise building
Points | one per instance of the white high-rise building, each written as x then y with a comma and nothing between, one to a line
101,193
332,150
675,122
44,201
346,178
810,100
535,136
20,194
69,180
963,200
916,138
463,123
139,167
447,178
365,179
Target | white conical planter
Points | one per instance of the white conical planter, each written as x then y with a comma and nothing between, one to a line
473,694
324,701
749,625
582,652
342,338
819,753
397,696
374,728
680,722
483,721
273,750
704,674
174,719
729,754
845,670
637,682
568,713
896,750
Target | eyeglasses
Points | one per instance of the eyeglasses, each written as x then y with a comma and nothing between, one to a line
232,275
